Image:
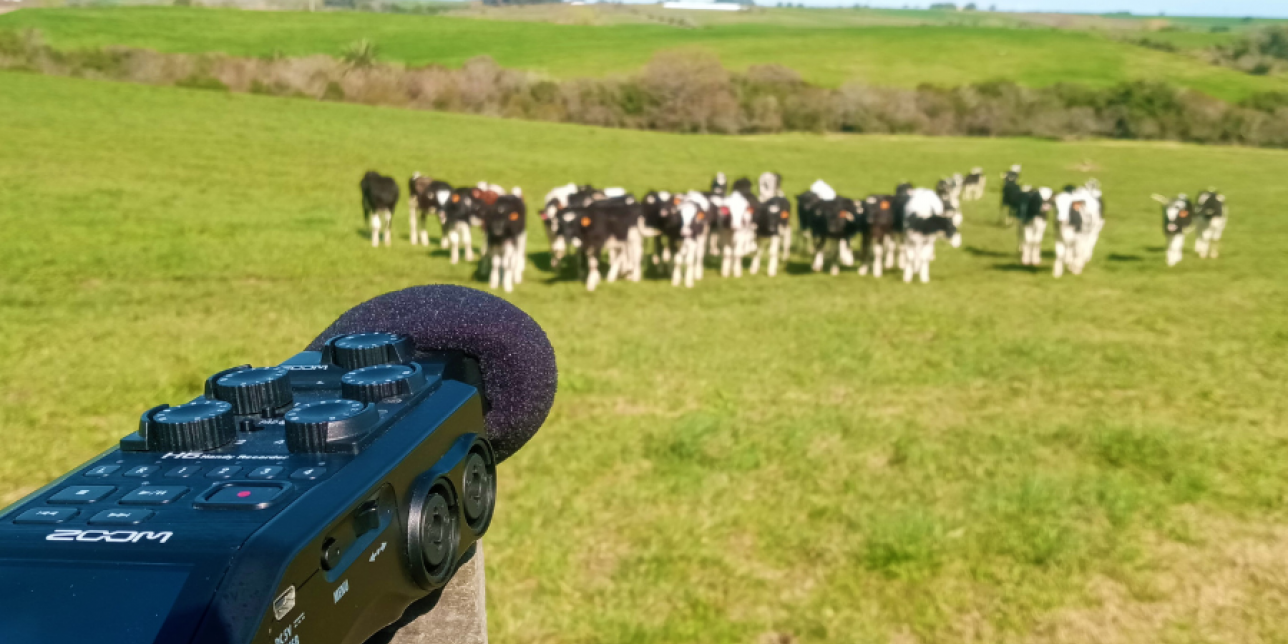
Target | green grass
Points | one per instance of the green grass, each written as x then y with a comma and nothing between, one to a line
892,56
996,455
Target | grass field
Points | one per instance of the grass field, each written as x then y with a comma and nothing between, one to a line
994,457
891,56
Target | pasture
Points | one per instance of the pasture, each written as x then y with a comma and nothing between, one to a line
995,456
881,55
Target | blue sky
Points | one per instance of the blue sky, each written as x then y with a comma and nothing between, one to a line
1261,8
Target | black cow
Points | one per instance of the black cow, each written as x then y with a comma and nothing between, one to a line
659,213
1011,191
425,196
835,224
379,198
606,225
504,224
879,234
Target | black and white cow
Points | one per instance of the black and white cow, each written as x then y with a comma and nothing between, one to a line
1212,212
1011,192
878,234
771,186
899,207
1078,222
687,228
733,229
504,223
379,198
949,192
1178,216
973,185
720,185
426,196
925,221
770,222
1034,206
463,209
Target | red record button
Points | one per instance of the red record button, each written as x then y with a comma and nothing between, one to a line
242,496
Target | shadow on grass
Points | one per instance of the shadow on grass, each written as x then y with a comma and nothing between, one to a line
1118,257
1014,267
981,252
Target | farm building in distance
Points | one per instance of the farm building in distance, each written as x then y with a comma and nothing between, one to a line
702,6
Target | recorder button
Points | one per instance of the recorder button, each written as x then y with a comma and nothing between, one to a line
223,472
308,473
153,495
102,470
142,471
183,471
122,516
46,515
82,494
243,496
266,472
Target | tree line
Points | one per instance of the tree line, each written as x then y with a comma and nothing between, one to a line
691,92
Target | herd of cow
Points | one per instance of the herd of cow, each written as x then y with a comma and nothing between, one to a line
739,221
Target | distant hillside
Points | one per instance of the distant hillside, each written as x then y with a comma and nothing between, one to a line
889,56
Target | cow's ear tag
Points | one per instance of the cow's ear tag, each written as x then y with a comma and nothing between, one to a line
585,221
456,198
514,216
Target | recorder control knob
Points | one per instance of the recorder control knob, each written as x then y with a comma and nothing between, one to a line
197,426
252,391
310,427
369,349
374,384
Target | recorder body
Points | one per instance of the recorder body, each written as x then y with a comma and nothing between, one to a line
308,503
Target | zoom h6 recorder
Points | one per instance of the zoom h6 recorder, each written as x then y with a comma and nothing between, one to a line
307,503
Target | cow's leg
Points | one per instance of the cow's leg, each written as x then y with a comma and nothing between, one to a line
755,256
927,254
845,253
909,259
375,230
509,268
1060,251
557,250
388,216
494,267
442,224
519,256
785,237
615,259
1217,227
677,267
738,250
820,246
412,220
700,250
592,270
1175,242
774,243
469,242
453,239
424,230
635,254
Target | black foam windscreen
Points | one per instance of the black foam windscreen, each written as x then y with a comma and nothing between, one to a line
515,357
